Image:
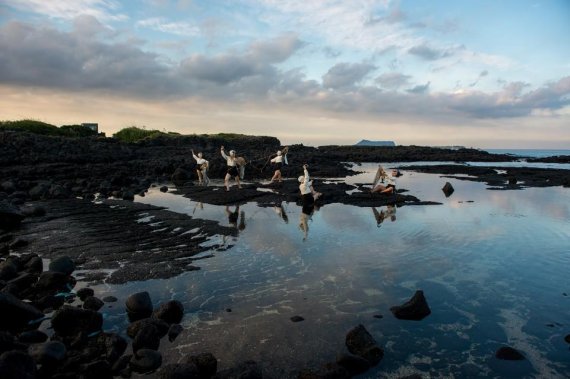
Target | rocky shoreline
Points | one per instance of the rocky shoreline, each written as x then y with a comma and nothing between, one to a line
50,219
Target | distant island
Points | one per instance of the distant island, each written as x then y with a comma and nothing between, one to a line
366,142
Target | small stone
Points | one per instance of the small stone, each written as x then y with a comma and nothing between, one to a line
228,309
378,316
448,189
414,309
297,319
139,306
164,189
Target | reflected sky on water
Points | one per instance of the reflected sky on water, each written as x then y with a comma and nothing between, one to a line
493,266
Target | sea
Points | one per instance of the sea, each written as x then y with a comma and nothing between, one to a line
530,153
493,266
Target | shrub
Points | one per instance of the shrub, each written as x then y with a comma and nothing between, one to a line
135,134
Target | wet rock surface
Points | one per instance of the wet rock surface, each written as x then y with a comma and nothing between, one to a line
416,308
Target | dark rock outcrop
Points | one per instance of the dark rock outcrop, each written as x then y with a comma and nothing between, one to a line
414,309
509,354
139,306
361,343
69,321
172,312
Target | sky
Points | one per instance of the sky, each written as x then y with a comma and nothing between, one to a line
485,74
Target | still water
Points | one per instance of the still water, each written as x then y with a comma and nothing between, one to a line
493,266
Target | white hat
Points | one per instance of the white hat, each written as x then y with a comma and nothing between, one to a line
278,152
232,152
301,179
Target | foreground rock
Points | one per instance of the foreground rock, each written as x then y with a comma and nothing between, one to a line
360,342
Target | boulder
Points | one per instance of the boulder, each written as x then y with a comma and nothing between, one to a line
206,364
139,306
15,313
10,216
92,303
40,191
416,308
171,312
164,189
84,293
147,338
8,271
48,353
64,264
161,326
145,361
55,281
33,336
35,265
69,321
180,371
8,342
99,369
128,195
17,365
361,343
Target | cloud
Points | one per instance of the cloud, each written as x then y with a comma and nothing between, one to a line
178,28
343,75
232,67
106,10
393,80
419,89
46,57
86,60
430,53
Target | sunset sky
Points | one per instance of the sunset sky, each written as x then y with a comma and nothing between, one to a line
487,73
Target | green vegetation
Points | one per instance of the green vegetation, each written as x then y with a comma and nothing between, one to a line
135,134
43,128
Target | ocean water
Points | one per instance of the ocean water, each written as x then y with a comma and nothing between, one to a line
532,153
493,266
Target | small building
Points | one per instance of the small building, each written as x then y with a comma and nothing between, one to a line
91,125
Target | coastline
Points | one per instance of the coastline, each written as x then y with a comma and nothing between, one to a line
96,237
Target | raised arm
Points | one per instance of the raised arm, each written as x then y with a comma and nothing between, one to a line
224,153
306,172
194,156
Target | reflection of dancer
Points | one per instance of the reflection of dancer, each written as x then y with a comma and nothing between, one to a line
233,218
308,193
201,168
231,161
198,205
306,213
390,187
390,213
279,161
280,210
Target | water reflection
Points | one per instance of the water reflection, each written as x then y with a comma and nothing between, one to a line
234,216
493,266
306,215
385,213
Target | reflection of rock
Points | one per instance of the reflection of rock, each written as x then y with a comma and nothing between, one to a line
361,343
353,363
509,354
414,309
448,189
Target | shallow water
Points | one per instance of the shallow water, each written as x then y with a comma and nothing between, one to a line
493,266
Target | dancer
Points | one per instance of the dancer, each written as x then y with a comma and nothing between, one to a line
231,161
279,161
201,169
389,188
308,193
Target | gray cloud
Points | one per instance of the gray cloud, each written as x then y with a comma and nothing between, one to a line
419,89
229,68
343,75
393,80
430,53
79,60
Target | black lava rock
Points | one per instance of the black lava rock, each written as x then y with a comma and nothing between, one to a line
139,306
92,303
448,189
509,354
415,309
171,312
70,321
361,343
64,264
